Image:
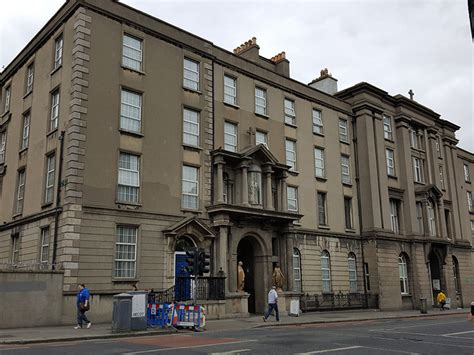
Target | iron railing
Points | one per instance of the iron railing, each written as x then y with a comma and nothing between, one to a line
205,287
165,296
334,301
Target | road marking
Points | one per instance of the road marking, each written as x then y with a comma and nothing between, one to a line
448,335
418,325
232,352
188,347
331,350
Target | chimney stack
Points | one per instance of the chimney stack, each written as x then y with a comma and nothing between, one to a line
282,65
248,50
325,83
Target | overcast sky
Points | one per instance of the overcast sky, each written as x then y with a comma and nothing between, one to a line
397,45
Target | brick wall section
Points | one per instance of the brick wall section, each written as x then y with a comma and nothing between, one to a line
74,151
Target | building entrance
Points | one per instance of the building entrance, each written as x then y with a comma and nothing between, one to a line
437,283
249,252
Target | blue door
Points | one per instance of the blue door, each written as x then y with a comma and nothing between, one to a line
182,288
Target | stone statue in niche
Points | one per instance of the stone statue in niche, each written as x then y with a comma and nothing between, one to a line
278,278
240,277
255,187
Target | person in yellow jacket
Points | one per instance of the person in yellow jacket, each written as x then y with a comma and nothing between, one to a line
441,298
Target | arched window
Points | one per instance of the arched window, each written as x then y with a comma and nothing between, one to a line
184,243
456,275
296,270
326,270
352,267
431,218
403,270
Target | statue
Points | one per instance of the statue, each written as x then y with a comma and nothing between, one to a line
240,277
278,278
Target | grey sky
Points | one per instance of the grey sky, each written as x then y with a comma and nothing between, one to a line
395,45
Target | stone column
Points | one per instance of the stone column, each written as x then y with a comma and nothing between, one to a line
222,254
426,217
283,194
245,186
268,193
289,261
443,233
220,181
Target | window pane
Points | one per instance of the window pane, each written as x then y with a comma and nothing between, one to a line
191,74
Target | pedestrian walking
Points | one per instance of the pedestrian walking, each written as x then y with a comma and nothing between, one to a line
272,304
441,298
83,305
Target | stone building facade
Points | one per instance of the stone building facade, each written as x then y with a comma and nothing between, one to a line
125,140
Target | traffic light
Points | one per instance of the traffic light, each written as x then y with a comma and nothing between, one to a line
191,261
204,262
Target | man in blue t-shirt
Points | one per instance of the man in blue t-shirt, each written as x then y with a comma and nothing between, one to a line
83,306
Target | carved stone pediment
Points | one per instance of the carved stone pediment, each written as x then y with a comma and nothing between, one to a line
429,191
189,226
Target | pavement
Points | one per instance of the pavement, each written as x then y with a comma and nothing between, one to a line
103,331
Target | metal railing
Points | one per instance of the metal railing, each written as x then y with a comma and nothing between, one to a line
334,301
205,287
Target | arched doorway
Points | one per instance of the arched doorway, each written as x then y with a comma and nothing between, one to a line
457,282
249,252
435,270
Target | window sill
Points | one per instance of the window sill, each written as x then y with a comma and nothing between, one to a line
124,280
231,105
389,140
190,210
262,115
46,204
318,134
133,70
22,150
348,184
50,133
16,215
5,113
131,133
394,177
406,294
325,227
419,183
471,212
55,70
291,125
27,94
128,204
344,142
192,90
467,181
350,230
4,119
321,178
192,147
417,149
293,172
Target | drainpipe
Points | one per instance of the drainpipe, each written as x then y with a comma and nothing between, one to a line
356,160
58,200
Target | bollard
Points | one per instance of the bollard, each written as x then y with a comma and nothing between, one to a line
471,316
423,306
